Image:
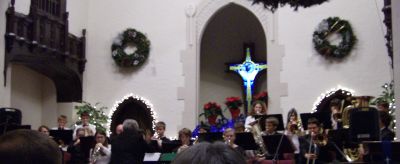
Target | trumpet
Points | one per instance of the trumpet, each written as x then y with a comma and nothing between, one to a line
96,153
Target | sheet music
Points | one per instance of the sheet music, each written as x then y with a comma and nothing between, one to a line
152,156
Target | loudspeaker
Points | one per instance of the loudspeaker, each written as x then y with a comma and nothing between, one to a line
10,116
364,124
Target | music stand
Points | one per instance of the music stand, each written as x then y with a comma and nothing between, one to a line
323,118
169,147
271,142
63,135
211,137
86,144
246,141
379,151
281,126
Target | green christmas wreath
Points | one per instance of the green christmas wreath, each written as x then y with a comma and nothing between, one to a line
130,49
331,26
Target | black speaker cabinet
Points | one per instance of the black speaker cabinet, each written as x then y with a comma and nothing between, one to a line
10,116
364,124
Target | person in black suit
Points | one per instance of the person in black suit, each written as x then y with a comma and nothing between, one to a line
386,133
130,146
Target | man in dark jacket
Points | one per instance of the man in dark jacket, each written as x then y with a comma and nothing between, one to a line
129,147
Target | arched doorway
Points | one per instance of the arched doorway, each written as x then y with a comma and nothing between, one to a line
222,43
133,107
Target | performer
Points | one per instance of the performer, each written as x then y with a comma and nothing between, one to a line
44,129
386,133
259,108
85,124
229,138
101,152
271,124
315,146
61,121
184,136
160,137
78,155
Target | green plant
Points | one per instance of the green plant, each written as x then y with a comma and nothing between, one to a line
387,95
97,116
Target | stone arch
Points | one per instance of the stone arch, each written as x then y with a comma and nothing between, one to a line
133,107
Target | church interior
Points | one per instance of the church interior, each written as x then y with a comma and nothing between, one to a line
205,65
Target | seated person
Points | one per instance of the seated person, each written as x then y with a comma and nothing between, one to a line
85,124
314,146
184,137
160,129
44,129
239,127
258,108
386,133
28,146
101,152
271,124
229,138
78,156
205,152
61,121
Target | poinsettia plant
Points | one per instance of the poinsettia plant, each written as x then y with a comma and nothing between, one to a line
233,104
211,111
262,96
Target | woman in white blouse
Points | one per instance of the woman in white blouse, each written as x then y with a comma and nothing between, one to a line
258,108
101,153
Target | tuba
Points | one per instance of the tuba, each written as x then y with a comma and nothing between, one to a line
358,102
257,134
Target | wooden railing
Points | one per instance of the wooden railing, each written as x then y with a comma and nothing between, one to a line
43,34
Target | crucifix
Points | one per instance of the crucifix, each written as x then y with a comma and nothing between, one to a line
248,70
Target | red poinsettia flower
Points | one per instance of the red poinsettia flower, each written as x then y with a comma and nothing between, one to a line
262,96
211,111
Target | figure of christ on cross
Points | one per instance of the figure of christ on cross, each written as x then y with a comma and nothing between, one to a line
248,70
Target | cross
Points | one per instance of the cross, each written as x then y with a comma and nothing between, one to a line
248,70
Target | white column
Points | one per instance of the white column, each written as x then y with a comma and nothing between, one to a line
396,58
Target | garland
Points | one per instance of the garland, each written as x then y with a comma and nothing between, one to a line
130,38
331,26
274,4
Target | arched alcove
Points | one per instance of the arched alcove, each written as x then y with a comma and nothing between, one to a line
198,17
133,107
221,43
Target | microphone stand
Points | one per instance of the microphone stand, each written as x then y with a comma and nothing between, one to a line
341,152
274,160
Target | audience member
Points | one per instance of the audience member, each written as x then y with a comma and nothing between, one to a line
207,153
28,146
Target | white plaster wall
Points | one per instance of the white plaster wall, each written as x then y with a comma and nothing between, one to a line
157,80
78,15
26,95
49,102
396,56
222,42
308,74
4,90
